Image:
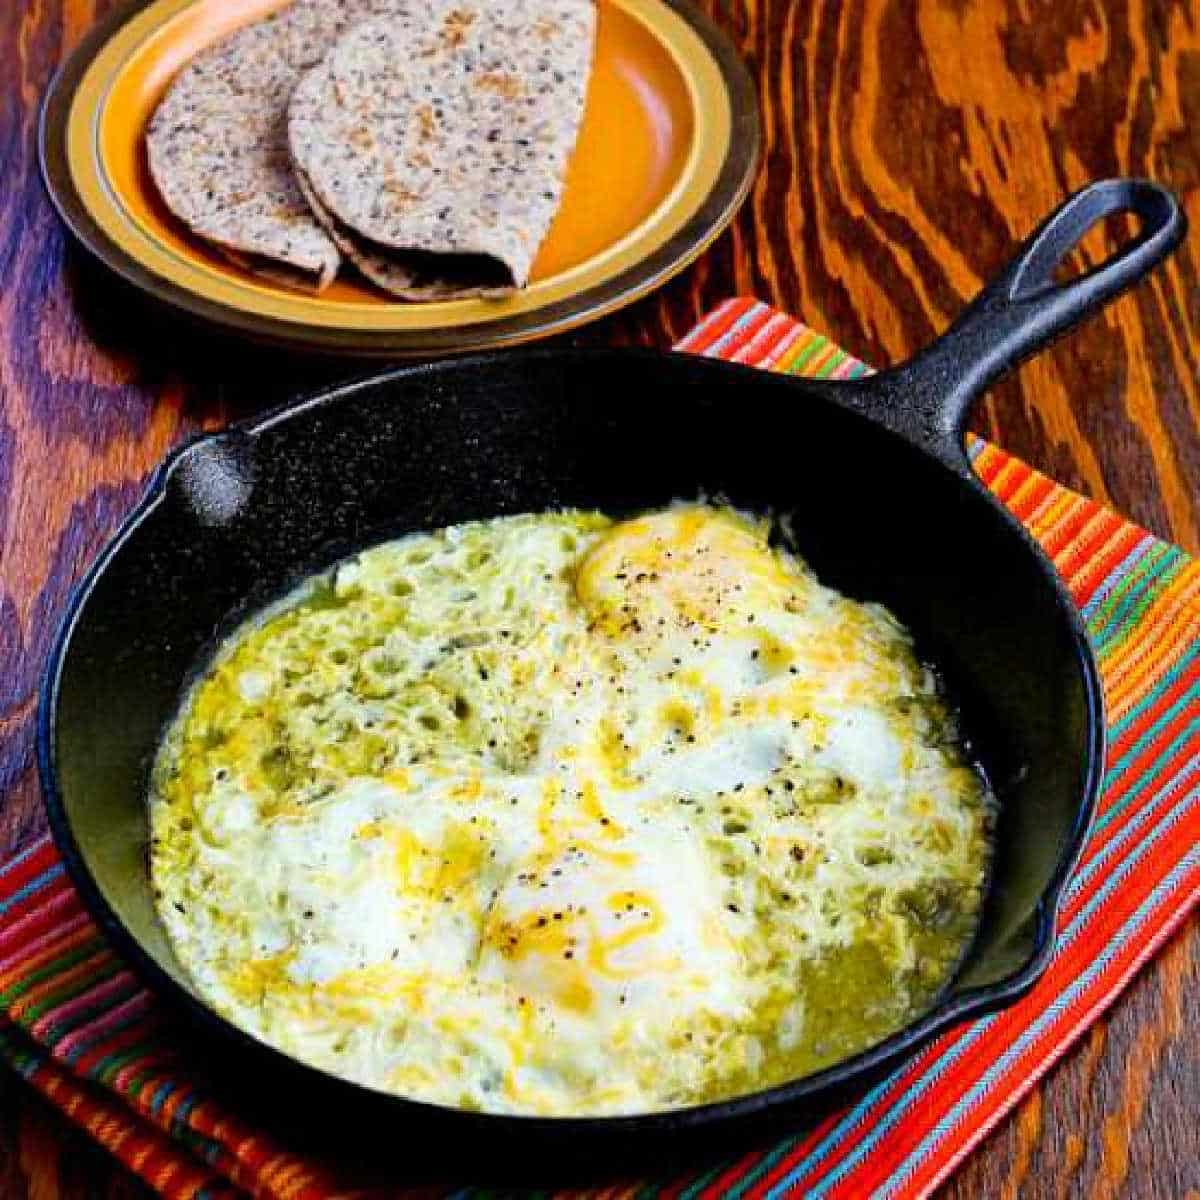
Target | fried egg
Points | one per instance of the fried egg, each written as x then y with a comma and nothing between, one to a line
554,814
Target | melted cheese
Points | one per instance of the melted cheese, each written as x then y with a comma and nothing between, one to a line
552,815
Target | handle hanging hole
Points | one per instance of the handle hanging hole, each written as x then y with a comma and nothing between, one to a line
1101,242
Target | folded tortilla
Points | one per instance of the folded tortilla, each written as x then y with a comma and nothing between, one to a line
217,143
433,144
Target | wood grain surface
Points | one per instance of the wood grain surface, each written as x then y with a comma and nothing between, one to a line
908,143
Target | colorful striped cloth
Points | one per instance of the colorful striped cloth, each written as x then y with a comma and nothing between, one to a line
83,1031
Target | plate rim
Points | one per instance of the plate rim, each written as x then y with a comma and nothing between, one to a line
712,215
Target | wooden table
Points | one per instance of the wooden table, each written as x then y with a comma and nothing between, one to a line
908,143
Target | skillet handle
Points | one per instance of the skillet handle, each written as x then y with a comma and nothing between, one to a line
928,398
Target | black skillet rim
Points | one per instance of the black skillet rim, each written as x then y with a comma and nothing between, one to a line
949,1011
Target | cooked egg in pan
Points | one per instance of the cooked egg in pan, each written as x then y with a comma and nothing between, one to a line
556,815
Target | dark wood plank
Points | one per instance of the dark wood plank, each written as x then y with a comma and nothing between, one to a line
909,142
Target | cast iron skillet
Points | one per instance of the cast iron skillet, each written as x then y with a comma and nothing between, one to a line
884,505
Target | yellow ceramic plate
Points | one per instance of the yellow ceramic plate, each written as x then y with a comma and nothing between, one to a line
666,154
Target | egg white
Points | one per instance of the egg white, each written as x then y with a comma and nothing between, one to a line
554,815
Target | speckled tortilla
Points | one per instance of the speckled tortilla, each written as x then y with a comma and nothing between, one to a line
434,145
217,143
412,276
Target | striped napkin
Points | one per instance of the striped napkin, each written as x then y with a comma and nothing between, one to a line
83,1031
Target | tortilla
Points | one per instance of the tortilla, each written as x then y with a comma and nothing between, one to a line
217,143
433,145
